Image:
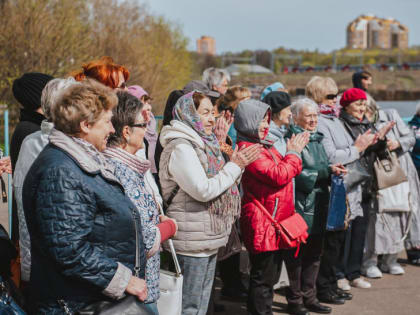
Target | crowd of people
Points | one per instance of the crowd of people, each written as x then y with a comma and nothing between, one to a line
92,175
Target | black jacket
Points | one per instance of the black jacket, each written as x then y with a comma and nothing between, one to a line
81,227
29,123
355,128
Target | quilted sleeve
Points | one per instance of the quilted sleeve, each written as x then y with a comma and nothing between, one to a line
65,210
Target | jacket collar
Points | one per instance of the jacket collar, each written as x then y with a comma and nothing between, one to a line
353,120
86,163
32,116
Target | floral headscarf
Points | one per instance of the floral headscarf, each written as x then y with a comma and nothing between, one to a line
226,208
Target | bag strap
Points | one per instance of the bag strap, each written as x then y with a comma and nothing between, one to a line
170,242
265,211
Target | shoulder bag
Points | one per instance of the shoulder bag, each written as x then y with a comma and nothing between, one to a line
388,171
356,175
291,231
130,305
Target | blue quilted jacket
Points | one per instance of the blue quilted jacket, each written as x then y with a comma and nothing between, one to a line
81,227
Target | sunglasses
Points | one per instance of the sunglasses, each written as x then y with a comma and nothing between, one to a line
142,125
331,96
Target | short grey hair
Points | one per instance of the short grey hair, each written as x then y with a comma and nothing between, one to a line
298,104
215,76
371,104
52,92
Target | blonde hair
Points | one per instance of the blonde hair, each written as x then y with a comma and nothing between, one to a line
84,102
319,87
233,97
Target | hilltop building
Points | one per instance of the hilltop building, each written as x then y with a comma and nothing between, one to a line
369,31
206,45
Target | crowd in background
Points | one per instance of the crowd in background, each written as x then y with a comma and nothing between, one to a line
93,174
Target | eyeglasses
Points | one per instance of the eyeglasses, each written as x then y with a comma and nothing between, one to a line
142,125
331,96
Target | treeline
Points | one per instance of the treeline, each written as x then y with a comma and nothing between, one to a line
58,36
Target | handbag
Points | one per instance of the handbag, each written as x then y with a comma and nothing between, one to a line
356,175
388,171
130,305
8,306
291,231
170,284
395,198
338,210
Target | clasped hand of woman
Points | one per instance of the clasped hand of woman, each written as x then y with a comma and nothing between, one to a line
298,142
338,169
246,155
137,287
222,126
385,129
365,140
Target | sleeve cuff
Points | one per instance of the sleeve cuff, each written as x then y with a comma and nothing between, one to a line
234,169
156,245
355,152
119,282
295,153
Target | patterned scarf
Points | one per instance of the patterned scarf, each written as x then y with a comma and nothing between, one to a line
105,167
134,162
225,208
329,110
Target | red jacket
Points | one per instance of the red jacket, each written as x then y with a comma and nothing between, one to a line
267,179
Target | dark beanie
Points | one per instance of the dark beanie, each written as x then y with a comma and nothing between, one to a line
28,88
277,101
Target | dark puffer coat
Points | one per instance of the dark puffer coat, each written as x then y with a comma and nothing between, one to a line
311,185
81,227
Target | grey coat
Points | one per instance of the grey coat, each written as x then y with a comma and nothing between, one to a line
338,145
385,231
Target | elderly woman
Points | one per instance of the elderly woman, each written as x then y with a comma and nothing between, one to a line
216,80
130,125
340,148
266,182
30,149
311,201
82,225
201,191
281,115
356,123
386,231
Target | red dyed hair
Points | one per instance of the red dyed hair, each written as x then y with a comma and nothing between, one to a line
103,70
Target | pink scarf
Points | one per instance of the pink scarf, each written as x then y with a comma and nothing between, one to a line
328,110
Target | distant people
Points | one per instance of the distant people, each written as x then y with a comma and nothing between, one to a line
202,194
105,71
216,80
130,124
340,148
229,102
275,87
353,117
362,80
30,149
386,231
81,224
280,120
267,181
311,202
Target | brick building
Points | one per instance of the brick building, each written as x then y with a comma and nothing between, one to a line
206,45
369,31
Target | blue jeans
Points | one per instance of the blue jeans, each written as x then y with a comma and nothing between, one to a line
198,275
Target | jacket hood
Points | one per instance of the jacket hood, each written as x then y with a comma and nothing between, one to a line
357,80
314,136
276,131
248,116
178,129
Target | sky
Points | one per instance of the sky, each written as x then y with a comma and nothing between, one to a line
267,24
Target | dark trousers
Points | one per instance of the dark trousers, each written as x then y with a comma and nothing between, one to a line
352,258
230,273
333,249
265,272
303,271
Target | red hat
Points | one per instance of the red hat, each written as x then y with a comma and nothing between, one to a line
352,95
